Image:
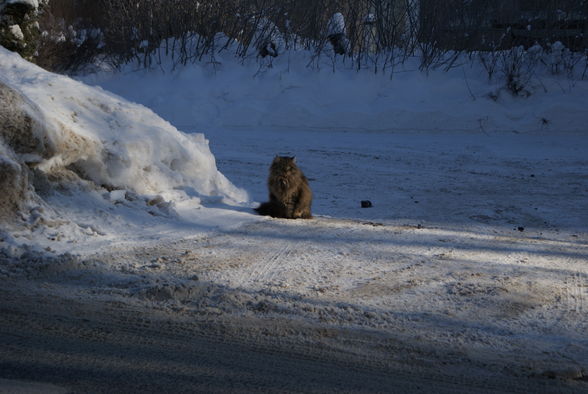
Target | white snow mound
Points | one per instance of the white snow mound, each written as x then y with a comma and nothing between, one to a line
107,140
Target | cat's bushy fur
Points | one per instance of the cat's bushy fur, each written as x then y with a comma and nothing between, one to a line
290,196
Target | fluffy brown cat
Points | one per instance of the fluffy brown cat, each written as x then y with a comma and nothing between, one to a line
290,196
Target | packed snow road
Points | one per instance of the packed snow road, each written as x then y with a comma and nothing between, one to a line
469,273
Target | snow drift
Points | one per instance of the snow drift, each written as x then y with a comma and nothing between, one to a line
62,131
299,90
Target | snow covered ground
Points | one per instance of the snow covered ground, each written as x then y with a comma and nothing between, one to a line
469,273
285,94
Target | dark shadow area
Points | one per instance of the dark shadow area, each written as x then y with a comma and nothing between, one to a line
70,344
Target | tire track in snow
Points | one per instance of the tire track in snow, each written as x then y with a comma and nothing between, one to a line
577,292
264,272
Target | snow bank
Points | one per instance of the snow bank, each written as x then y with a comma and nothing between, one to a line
285,93
71,132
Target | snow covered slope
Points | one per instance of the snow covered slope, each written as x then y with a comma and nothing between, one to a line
73,141
286,94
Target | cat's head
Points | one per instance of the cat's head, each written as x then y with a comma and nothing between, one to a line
284,159
284,164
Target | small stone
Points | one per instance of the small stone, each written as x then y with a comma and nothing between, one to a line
155,201
366,204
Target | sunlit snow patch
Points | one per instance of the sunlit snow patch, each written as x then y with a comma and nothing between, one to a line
66,133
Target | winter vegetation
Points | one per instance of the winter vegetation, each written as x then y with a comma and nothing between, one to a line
19,26
374,34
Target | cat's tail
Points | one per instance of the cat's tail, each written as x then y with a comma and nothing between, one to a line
270,209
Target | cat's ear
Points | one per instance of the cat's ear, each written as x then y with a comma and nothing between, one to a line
293,159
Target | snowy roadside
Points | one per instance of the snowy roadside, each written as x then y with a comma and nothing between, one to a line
470,269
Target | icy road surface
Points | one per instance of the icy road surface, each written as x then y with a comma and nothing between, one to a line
468,274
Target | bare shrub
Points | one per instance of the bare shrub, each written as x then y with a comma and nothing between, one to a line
376,34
